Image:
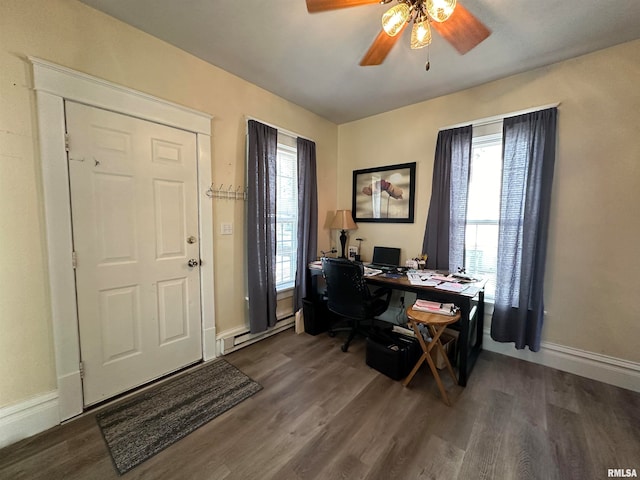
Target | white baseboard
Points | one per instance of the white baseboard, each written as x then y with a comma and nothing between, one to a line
28,418
611,370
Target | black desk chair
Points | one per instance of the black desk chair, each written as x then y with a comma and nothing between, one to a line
349,296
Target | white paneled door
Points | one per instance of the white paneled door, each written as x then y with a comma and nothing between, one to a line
134,208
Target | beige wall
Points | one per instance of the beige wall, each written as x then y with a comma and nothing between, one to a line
591,281
73,35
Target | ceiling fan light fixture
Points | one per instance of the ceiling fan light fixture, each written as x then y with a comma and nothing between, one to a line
420,34
440,10
394,19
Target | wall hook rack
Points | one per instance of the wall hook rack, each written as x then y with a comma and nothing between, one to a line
229,193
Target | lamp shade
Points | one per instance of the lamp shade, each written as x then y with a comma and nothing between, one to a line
343,221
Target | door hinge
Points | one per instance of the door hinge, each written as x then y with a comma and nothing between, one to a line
74,260
66,142
81,369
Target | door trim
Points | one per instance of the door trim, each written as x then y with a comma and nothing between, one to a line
53,84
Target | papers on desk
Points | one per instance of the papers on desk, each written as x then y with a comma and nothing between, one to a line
452,287
465,285
442,278
370,272
317,265
443,282
472,290
422,280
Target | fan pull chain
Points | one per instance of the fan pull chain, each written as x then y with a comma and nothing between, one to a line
428,65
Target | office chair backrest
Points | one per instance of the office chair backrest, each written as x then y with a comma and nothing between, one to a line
347,292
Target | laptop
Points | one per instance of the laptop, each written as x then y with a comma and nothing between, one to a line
385,258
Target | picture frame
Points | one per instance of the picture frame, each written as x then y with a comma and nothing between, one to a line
384,194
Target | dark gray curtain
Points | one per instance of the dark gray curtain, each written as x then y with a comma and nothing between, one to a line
307,217
261,225
446,222
529,145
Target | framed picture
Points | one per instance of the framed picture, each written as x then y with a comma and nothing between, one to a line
384,194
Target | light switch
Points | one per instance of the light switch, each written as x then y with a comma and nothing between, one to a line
226,229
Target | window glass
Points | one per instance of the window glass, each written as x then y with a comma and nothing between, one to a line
286,216
483,209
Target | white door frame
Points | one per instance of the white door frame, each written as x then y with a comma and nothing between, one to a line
53,85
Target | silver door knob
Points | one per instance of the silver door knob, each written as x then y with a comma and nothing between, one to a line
193,262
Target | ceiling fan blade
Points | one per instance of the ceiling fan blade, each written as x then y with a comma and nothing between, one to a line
380,48
462,30
314,6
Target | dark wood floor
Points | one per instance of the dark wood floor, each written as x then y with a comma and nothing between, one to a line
324,414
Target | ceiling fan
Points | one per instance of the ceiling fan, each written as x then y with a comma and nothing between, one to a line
451,20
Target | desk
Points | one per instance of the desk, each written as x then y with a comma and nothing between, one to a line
471,323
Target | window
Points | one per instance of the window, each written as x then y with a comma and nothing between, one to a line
286,215
483,208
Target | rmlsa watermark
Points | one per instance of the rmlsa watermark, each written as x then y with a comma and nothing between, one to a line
622,473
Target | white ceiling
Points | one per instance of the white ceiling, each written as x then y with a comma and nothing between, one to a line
312,59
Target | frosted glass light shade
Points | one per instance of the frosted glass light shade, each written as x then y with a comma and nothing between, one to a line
394,19
440,10
420,34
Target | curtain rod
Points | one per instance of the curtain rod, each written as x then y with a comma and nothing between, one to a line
280,130
497,118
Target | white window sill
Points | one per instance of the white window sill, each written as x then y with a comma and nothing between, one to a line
284,293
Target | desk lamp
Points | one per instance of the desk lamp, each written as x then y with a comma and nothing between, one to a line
343,221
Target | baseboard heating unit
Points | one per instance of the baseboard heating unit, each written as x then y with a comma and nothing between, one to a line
233,340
